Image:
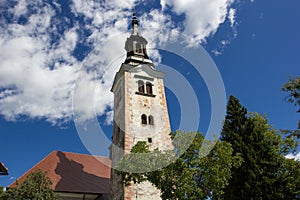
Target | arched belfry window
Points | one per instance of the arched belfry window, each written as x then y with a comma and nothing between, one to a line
141,86
149,88
150,120
144,119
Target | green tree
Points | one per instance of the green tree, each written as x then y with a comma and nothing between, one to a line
290,179
264,172
189,176
291,170
37,186
2,193
248,163
292,87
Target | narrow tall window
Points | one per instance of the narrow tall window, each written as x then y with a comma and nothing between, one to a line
141,87
150,120
149,88
144,119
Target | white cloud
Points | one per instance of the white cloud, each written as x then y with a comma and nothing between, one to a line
216,52
163,4
231,16
293,156
31,87
202,17
157,27
20,8
38,75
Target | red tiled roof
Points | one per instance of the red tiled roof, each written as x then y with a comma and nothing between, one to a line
77,173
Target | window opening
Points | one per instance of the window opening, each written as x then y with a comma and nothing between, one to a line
150,119
149,88
144,119
141,87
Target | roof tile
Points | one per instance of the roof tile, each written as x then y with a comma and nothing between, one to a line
71,172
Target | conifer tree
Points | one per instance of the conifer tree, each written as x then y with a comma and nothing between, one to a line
264,167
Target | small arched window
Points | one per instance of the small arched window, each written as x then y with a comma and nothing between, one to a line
149,88
141,87
144,119
151,120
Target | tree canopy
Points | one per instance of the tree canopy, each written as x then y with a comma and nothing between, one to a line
188,177
292,87
263,170
247,163
36,186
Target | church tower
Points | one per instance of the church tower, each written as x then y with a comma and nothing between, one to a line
140,113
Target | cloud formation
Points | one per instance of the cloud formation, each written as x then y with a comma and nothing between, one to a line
202,18
293,156
51,51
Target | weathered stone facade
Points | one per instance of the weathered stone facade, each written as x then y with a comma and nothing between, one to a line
140,114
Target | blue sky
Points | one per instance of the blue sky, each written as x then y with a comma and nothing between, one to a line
48,48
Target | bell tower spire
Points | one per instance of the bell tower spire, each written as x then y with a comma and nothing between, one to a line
136,46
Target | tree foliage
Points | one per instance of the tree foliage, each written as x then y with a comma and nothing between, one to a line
292,87
188,176
264,173
37,186
247,163
2,192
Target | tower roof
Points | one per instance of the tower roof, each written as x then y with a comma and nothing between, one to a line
136,45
